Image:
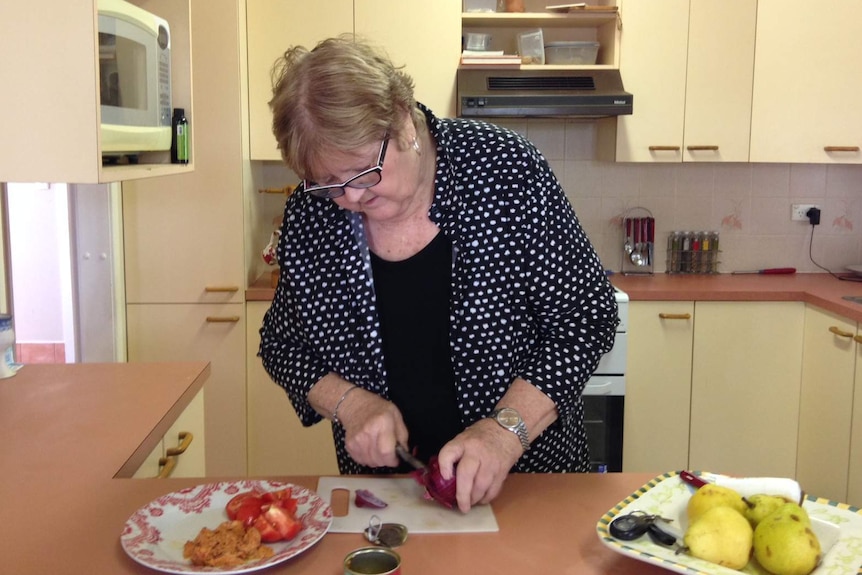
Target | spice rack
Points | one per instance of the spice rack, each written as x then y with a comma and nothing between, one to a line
692,252
638,249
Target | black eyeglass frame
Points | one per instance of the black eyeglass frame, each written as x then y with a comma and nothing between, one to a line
332,191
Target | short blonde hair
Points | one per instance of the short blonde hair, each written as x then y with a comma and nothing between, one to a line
342,95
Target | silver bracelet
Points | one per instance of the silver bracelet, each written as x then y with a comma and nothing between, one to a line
337,405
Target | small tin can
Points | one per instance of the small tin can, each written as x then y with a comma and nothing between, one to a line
372,561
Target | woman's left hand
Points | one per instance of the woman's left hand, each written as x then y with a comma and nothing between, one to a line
484,452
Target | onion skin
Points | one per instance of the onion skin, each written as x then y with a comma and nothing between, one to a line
364,498
436,488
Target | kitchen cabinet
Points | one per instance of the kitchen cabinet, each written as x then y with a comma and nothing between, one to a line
854,475
181,453
584,26
51,103
658,386
278,444
184,243
689,65
826,404
804,76
213,333
423,37
745,396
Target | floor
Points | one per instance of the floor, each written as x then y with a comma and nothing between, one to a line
40,352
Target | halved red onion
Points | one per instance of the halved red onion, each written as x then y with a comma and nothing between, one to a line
364,498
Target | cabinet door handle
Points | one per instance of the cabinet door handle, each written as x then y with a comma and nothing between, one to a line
702,148
839,332
166,467
221,289
674,315
664,148
222,318
841,148
857,338
186,438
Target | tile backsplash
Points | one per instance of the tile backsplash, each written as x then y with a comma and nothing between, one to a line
748,204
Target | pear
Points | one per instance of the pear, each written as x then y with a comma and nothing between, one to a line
784,542
760,506
720,535
711,495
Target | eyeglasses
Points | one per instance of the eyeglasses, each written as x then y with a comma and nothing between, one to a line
362,180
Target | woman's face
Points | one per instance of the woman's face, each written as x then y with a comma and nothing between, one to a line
397,193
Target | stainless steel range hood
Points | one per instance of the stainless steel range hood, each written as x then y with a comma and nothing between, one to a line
528,93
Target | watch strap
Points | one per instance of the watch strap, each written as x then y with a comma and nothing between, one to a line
519,429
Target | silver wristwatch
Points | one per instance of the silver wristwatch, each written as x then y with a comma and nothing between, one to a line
510,419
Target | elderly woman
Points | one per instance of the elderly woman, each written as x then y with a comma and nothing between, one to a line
437,290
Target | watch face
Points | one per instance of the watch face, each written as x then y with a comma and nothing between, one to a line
508,417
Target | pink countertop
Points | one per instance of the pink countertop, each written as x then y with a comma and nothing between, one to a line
70,432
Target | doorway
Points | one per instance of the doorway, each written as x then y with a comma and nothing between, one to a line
64,264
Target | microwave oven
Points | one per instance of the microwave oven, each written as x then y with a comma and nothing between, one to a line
134,79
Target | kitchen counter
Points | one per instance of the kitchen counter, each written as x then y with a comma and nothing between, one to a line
70,433
822,290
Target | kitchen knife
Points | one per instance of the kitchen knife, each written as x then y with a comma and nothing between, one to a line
768,271
409,458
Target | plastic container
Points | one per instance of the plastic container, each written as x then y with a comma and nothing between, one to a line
577,53
531,47
480,5
476,41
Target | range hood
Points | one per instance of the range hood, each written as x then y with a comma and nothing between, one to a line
490,93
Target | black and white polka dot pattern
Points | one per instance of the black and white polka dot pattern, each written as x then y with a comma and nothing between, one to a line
530,297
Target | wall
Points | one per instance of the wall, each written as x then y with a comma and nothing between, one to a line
749,204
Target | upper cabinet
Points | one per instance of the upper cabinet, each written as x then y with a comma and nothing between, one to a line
423,37
689,65
806,80
600,22
51,113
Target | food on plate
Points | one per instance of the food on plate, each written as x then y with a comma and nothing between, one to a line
710,496
762,505
720,535
228,545
436,488
365,498
777,486
785,544
272,513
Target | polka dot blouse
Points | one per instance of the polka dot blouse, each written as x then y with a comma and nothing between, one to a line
530,298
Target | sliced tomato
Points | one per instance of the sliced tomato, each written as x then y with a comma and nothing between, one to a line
283,521
268,532
248,512
244,499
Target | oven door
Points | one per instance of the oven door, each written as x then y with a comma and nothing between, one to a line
603,419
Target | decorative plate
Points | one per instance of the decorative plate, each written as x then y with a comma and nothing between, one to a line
156,533
838,527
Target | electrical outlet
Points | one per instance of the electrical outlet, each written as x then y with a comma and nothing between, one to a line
798,211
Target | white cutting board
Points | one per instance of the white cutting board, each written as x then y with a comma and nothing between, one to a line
405,505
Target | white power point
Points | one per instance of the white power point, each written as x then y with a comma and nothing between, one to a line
798,211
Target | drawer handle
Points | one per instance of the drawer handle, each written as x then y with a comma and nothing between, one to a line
839,332
675,315
841,148
702,148
221,289
857,338
222,319
166,467
664,148
186,438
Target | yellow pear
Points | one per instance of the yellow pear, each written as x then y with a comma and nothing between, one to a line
710,496
784,542
760,506
720,535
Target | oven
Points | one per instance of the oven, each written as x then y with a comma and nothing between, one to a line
604,399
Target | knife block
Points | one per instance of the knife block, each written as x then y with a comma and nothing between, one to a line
638,243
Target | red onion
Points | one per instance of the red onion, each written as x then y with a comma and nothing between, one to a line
440,490
365,498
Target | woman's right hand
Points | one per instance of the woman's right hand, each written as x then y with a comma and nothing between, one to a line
372,427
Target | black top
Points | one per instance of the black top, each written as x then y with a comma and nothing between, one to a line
413,306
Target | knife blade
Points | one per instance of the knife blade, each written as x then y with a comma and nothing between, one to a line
409,457
767,271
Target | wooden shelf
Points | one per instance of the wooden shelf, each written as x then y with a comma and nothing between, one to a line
589,19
